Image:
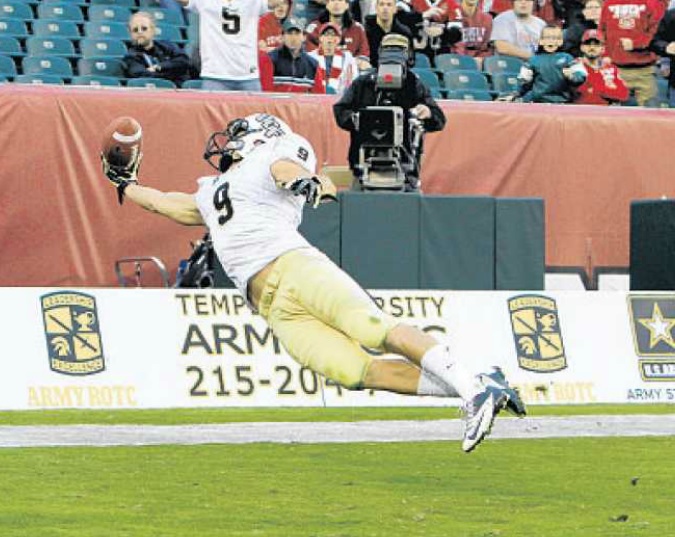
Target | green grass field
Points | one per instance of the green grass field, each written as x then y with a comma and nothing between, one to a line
555,487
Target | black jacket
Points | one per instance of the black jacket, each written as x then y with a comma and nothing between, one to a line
375,33
173,62
665,34
363,93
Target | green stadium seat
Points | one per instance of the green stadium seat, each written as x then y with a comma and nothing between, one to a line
13,28
501,64
46,65
150,83
422,60
428,77
125,3
39,78
192,84
504,83
455,62
95,80
166,16
106,30
60,11
470,95
7,67
50,46
91,47
169,32
10,46
465,80
56,28
109,13
101,66
15,10
80,3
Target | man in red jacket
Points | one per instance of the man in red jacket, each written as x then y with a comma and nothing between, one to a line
603,84
628,27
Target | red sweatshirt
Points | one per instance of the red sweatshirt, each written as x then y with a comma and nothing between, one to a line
603,85
634,19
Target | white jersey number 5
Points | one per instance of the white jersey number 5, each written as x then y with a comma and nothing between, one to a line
231,22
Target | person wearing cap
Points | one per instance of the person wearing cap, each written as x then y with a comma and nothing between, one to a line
516,32
383,22
295,71
475,31
353,36
603,85
550,76
413,97
588,19
337,68
628,27
270,25
228,42
663,44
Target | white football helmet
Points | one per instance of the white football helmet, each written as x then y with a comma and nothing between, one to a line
241,137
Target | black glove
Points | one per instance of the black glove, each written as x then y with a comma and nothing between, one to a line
309,188
121,176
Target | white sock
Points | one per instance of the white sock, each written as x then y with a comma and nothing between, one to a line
431,385
439,362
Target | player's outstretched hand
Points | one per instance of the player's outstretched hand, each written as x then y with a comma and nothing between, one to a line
313,189
121,176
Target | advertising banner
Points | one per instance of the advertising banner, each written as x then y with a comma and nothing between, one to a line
161,348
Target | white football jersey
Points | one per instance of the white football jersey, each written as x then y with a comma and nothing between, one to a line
252,221
228,37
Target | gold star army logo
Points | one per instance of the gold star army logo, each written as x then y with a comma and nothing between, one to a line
653,321
536,333
72,331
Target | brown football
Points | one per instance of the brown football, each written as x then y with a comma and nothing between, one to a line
122,141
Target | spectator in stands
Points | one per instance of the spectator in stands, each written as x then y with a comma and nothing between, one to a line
603,84
270,26
411,96
311,9
664,45
337,68
550,11
628,27
436,35
353,35
516,32
550,76
381,23
476,29
295,71
150,58
588,19
360,9
228,42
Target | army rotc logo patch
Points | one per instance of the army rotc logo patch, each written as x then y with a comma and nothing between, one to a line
536,333
653,323
73,336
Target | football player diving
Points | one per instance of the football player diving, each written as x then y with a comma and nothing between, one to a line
322,317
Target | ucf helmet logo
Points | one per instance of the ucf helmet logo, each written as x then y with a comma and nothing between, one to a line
536,333
74,344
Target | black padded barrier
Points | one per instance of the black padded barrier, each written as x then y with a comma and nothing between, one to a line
457,243
652,245
520,256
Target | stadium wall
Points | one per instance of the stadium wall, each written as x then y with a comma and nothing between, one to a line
61,225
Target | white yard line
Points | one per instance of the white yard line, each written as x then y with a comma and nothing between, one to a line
329,432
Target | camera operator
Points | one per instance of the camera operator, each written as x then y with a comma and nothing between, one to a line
393,84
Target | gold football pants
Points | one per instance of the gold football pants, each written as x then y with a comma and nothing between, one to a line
322,316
